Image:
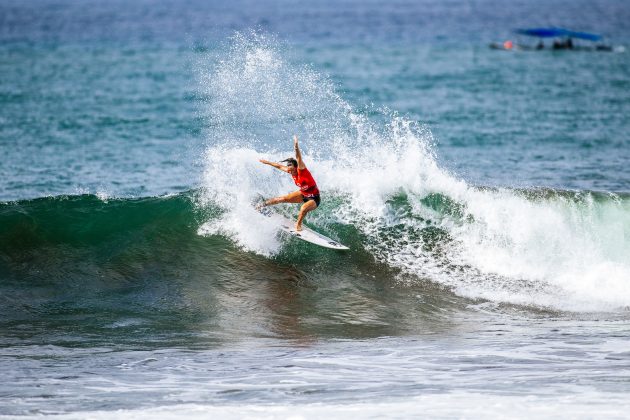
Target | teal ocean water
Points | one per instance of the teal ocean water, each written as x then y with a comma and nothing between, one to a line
484,194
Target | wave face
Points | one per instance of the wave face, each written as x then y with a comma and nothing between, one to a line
74,255
130,259
380,177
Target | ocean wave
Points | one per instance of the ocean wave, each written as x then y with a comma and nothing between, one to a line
110,251
407,220
380,175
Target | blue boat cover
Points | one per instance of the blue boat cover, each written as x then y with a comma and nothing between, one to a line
556,32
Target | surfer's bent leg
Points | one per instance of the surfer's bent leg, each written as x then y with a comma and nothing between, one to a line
309,205
294,197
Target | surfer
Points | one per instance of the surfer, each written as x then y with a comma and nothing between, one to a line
308,194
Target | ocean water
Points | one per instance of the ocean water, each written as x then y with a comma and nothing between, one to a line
484,195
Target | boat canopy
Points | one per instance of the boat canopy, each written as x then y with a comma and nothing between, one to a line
558,32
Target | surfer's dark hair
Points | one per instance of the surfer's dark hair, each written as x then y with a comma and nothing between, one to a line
291,161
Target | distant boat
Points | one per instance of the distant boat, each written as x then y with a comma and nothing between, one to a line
557,33
562,40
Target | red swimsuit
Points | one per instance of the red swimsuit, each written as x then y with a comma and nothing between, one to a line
307,184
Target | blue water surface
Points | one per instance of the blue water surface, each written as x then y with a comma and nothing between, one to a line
105,96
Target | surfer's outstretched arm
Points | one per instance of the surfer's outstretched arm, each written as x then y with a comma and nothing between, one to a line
298,155
275,165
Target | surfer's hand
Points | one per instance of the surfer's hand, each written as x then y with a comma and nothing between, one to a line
262,161
295,141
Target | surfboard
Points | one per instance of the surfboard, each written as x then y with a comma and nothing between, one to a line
306,234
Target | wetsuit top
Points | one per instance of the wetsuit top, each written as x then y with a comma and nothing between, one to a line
305,181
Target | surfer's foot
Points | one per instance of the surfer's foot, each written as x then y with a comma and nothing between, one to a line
261,205
298,228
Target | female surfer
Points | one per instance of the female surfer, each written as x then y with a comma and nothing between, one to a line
308,192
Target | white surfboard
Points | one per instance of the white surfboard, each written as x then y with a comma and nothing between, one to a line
305,234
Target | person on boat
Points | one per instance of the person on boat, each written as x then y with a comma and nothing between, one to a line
308,194
563,45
